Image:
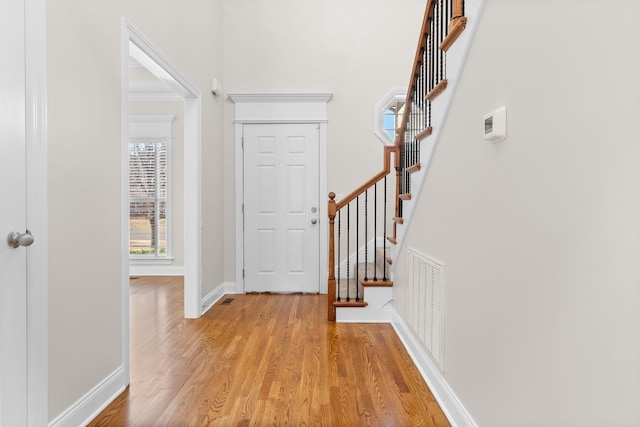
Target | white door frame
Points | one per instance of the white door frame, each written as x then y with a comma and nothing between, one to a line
283,109
136,45
37,213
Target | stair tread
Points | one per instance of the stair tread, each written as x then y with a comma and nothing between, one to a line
437,90
351,303
414,168
376,283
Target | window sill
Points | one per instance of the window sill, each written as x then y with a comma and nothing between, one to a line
141,260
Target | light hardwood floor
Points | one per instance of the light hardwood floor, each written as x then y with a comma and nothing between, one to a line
263,360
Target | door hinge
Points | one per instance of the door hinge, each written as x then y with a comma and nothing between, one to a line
242,142
243,273
243,209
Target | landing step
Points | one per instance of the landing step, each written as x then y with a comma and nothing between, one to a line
352,303
376,283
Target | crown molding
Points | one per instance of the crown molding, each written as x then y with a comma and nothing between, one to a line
279,97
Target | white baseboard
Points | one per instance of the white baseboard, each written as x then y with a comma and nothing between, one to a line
91,404
214,296
156,270
447,399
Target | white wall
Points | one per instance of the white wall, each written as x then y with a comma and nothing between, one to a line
358,50
84,172
540,234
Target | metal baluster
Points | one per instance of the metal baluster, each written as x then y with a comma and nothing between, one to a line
422,93
375,231
339,244
432,81
384,241
439,36
357,266
448,15
424,83
366,233
446,33
348,247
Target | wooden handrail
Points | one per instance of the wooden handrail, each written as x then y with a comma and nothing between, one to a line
388,149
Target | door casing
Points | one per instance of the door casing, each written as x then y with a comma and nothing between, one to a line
293,259
308,108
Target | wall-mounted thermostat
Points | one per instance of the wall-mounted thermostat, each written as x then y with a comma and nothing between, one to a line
495,125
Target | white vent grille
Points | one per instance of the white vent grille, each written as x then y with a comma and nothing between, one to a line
426,291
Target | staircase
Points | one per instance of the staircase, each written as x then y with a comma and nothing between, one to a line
366,227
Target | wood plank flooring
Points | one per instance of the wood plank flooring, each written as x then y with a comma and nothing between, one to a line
263,360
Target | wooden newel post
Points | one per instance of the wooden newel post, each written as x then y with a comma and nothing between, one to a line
331,297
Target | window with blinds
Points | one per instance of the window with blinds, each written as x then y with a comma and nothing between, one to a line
148,198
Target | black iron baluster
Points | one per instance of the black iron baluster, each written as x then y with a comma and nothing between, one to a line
366,232
356,268
441,33
384,232
339,244
375,232
348,247
432,79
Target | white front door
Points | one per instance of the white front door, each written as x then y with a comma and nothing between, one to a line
281,200
13,261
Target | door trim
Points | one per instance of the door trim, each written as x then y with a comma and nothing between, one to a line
281,108
136,45
37,208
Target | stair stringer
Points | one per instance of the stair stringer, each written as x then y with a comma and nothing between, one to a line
378,310
456,57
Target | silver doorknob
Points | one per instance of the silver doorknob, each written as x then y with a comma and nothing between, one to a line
15,239
313,221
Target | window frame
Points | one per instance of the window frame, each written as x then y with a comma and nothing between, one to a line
394,95
147,129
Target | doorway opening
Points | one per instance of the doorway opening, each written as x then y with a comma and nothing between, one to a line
138,50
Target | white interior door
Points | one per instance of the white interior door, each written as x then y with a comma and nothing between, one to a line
281,197
13,261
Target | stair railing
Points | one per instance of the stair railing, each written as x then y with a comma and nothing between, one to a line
443,22
367,208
